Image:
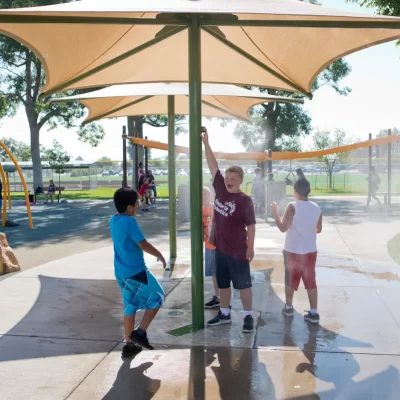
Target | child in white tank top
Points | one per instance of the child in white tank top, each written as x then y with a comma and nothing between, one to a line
301,221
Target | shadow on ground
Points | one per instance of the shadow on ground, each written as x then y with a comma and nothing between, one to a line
77,309
85,220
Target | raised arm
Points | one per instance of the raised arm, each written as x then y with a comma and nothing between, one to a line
211,160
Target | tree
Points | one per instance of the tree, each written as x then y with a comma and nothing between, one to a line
276,125
382,150
325,140
20,150
384,7
21,80
79,158
106,163
57,157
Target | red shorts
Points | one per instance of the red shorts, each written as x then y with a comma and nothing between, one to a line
300,266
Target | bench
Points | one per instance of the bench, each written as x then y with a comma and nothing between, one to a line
59,189
386,195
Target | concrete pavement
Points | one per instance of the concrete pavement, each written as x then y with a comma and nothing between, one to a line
61,324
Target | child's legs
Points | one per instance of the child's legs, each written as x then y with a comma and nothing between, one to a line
223,279
129,326
246,295
211,269
151,296
241,279
148,318
313,298
289,293
292,276
215,285
225,297
308,266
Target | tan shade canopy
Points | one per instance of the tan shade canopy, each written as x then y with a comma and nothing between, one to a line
293,41
223,101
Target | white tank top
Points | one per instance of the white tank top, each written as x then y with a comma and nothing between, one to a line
301,238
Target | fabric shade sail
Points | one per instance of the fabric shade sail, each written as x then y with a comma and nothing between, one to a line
223,101
277,44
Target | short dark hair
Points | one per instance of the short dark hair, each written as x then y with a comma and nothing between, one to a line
302,187
125,197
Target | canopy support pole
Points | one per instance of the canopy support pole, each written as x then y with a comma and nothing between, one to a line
171,177
389,169
196,173
124,165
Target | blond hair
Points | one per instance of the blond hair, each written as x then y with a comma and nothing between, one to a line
237,170
206,189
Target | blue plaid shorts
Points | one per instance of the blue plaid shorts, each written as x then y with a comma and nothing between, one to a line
139,296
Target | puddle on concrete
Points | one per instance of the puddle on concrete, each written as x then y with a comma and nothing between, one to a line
386,276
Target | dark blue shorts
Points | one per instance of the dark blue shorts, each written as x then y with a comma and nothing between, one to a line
233,270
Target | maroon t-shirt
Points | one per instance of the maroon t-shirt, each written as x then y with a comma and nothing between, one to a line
233,212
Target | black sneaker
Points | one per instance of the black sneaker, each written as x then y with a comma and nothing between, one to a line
288,311
313,318
220,319
248,324
214,303
130,350
141,340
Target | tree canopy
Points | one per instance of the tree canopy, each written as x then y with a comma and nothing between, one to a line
20,150
279,126
21,80
384,7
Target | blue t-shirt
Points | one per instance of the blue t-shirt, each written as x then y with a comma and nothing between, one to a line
128,256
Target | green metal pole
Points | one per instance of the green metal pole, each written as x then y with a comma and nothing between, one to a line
196,174
389,169
171,177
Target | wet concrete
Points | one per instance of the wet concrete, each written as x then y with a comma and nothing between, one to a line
61,328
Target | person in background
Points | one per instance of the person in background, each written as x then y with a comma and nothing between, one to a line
140,170
51,191
373,185
152,186
209,253
300,174
141,175
143,195
301,221
258,189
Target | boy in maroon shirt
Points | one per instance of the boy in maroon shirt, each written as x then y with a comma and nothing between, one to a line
233,234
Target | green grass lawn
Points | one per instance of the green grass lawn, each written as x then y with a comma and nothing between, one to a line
344,184
394,248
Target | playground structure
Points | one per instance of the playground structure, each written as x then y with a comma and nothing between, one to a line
4,172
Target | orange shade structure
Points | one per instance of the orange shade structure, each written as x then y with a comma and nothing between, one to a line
287,155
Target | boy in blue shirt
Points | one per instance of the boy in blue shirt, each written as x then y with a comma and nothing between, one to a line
139,287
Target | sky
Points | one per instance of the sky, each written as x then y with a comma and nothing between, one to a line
372,106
